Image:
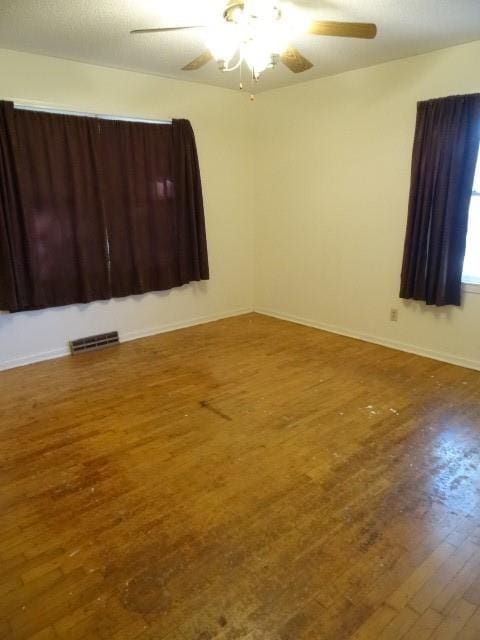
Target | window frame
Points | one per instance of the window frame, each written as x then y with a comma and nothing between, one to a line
473,286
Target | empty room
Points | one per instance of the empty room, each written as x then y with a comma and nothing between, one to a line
240,320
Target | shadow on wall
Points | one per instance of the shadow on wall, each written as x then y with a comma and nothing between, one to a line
439,313
107,310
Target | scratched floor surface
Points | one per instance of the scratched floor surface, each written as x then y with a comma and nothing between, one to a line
247,479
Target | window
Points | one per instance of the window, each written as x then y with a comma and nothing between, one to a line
94,208
445,151
471,264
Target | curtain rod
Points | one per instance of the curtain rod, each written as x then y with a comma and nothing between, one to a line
25,106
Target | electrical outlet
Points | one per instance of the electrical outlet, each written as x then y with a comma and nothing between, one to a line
393,315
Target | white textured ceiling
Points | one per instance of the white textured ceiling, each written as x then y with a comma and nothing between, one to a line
97,31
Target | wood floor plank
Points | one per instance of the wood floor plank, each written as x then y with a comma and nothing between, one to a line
458,585
424,626
471,630
443,576
399,625
245,479
452,626
374,626
401,597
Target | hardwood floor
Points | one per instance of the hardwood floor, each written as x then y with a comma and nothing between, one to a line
248,479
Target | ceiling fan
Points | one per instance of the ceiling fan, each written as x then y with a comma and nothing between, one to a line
260,32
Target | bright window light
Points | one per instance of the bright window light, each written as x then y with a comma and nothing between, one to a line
471,264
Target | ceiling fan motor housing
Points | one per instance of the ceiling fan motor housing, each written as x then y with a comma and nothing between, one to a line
232,8
235,8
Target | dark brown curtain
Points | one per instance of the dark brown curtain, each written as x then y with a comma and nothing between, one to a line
54,243
191,241
92,209
153,203
14,267
443,166
62,204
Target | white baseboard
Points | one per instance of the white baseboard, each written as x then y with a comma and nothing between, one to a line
35,357
384,342
181,324
308,322
124,337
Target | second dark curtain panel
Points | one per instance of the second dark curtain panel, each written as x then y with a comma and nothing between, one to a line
154,212
443,166
92,209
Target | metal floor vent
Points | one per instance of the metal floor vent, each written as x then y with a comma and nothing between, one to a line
91,343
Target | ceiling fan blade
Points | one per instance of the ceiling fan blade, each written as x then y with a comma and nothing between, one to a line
294,60
164,29
201,60
343,29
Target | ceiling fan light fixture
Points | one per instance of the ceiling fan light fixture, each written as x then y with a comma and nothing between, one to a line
258,57
274,36
260,33
222,41
234,11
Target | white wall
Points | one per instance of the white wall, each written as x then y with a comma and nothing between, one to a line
332,180
326,175
225,153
